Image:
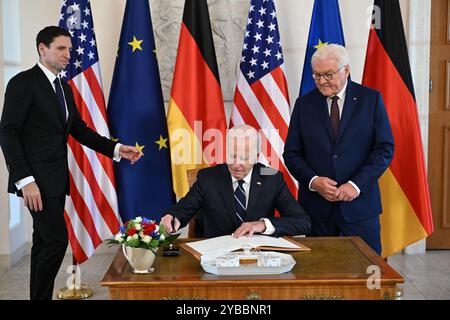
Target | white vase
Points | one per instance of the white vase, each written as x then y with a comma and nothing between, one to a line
141,260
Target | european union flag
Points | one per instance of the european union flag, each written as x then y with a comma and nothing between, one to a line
325,28
137,117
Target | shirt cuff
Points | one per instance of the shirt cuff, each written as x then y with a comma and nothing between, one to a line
117,156
355,186
23,182
310,183
270,229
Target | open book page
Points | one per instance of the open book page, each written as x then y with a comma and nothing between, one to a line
229,243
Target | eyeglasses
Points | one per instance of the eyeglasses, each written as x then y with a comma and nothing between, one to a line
326,76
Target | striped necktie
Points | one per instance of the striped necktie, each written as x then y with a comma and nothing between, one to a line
240,201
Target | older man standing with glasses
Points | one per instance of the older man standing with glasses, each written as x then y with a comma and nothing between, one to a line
339,144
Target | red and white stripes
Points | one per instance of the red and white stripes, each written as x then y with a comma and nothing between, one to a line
265,106
91,212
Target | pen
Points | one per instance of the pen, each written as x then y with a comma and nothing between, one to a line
173,225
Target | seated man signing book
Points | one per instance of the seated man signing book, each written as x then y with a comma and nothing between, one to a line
241,196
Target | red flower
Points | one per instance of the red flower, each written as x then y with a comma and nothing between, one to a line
148,228
131,232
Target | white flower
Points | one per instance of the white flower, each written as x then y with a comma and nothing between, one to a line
119,236
147,239
138,227
129,238
141,234
162,237
138,219
136,236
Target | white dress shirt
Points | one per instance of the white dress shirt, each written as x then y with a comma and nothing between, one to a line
270,229
51,77
340,102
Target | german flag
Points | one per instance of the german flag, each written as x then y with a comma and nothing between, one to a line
406,203
196,116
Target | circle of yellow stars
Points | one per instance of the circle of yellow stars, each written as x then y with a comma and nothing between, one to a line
162,143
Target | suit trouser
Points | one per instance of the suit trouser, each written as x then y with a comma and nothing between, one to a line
50,238
368,230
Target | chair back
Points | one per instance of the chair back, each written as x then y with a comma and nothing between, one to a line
195,225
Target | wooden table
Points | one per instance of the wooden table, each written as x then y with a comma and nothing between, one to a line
335,268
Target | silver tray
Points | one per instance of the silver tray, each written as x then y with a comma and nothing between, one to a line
208,264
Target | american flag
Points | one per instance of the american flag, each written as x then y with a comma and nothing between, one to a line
261,97
91,211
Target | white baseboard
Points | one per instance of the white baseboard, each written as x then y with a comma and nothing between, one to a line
8,260
417,247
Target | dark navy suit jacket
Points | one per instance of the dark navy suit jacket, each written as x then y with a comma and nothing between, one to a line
213,193
34,133
362,152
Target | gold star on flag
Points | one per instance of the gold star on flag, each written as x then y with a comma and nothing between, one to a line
140,147
320,44
136,44
161,142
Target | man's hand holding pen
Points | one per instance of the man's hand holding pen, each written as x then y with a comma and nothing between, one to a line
170,223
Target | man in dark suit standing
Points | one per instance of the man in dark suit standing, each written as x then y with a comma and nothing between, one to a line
38,115
339,143
241,196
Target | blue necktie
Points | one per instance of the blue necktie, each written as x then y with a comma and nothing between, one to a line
240,201
60,95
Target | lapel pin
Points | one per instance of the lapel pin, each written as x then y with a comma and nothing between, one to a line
258,183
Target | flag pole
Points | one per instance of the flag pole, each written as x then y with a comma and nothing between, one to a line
77,290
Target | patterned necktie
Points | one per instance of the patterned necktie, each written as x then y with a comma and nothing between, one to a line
334,115
60,95
240,201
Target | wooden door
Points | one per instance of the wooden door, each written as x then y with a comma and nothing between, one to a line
439,126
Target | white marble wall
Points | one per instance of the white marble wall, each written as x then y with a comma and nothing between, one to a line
228,18
4,206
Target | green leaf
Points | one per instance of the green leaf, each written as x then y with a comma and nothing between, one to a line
154,243
133,243
172,237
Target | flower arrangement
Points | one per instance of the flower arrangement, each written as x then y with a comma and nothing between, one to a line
143,233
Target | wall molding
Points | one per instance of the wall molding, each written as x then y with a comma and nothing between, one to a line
447,81
445,187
